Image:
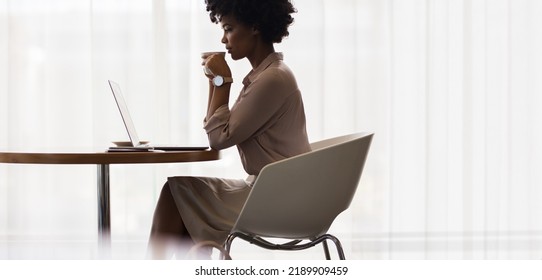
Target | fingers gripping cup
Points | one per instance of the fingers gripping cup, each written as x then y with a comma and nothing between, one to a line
204,56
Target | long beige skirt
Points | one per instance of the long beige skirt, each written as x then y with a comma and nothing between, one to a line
208,206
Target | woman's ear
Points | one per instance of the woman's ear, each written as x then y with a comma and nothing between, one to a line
255,31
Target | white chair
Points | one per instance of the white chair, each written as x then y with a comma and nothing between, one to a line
298,198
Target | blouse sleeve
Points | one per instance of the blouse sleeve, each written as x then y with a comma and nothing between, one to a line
255,109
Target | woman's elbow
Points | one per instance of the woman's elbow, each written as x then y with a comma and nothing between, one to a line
216,147
220,139
219,144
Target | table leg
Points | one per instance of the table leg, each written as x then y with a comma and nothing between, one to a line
104,210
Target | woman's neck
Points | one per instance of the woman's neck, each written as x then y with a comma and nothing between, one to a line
260,54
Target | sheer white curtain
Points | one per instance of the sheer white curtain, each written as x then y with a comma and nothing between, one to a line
451,89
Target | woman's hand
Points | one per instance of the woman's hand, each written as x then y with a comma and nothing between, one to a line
215,64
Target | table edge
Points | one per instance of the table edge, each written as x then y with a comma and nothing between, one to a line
108,158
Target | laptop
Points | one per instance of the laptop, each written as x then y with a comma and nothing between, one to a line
135,144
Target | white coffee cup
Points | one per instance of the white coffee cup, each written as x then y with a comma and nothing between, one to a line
205,55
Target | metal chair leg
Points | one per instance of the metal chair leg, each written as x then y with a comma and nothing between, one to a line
227,247
290,246
340,250
326,250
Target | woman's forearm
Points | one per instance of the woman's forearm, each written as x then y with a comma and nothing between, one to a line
218,96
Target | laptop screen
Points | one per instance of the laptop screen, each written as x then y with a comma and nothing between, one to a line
115,88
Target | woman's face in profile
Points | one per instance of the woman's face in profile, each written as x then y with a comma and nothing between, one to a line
239,39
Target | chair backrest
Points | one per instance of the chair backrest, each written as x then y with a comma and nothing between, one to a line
299,197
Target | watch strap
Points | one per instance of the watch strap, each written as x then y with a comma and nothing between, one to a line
219,81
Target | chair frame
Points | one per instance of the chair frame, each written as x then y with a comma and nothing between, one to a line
288,246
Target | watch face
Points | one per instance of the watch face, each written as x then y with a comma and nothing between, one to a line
218,81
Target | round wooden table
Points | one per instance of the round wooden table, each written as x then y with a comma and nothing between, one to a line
103,160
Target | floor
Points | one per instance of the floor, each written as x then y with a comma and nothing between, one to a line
366,247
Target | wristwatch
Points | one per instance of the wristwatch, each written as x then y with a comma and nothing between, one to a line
219,80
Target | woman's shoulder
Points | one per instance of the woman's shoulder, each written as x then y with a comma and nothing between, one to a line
278,72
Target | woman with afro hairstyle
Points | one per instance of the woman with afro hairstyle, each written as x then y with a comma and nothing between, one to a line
266,124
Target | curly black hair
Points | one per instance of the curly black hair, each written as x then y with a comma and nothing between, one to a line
271,17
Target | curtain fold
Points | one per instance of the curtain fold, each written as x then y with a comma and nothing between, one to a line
450,88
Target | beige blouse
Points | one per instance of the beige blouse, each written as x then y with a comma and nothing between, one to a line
267,121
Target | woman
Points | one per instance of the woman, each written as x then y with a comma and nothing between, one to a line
266,123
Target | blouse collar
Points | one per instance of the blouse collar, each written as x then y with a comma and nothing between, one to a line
270,59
